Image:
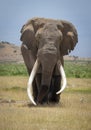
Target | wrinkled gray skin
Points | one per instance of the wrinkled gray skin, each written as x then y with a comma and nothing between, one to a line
48,41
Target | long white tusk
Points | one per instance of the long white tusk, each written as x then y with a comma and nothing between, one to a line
63,79
31,78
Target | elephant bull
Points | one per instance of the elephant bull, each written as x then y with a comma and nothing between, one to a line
44,43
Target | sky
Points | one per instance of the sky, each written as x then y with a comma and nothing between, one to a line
15,13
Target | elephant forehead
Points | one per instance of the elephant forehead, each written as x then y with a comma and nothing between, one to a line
50,27
50,32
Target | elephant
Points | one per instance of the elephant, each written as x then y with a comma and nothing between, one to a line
44,43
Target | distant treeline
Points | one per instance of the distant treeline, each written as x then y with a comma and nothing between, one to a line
5,42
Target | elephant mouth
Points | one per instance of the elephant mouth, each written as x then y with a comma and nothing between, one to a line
32,75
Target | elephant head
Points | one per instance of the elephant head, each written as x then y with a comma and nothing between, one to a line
49,40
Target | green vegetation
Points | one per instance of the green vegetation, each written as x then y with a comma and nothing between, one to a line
10,69
77,69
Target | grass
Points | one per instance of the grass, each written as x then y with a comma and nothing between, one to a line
77,69
72,113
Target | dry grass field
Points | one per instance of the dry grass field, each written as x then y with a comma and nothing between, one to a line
17,113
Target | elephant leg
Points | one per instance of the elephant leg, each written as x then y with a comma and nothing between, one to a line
35,90
55,86
38,81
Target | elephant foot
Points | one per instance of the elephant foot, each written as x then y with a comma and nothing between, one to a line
54,98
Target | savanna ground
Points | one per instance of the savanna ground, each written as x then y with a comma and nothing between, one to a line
72,113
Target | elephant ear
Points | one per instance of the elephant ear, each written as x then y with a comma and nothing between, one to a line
70,38
28,35
29,31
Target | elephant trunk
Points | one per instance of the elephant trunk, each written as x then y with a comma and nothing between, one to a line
48,63
44,87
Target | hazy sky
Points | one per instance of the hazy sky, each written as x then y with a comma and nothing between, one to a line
14,13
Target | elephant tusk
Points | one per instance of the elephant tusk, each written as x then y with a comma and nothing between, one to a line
63,79
30,81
